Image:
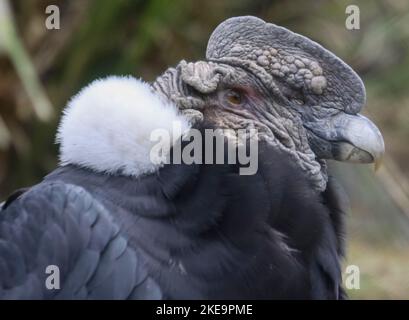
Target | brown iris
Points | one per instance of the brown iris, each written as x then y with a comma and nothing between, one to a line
234,97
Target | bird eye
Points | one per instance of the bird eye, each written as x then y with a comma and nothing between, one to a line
234,97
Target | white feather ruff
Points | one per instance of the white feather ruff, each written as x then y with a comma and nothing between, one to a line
106,127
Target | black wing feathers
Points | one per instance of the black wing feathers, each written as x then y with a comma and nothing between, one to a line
62,225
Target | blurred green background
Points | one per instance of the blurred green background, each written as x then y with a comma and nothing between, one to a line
41,69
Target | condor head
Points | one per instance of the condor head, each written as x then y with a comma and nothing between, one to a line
300,97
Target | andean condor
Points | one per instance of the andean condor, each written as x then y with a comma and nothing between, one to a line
121,226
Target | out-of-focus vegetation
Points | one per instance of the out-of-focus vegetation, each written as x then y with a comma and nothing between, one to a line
40,67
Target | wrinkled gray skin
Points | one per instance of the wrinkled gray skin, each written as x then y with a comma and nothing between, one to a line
301,97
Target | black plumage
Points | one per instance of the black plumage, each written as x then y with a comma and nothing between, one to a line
61,224
120,225
185,232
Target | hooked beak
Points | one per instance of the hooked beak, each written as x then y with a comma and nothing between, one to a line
351,138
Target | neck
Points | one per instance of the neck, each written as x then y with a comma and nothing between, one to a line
280,128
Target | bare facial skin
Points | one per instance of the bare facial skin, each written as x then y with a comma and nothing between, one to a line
303,99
